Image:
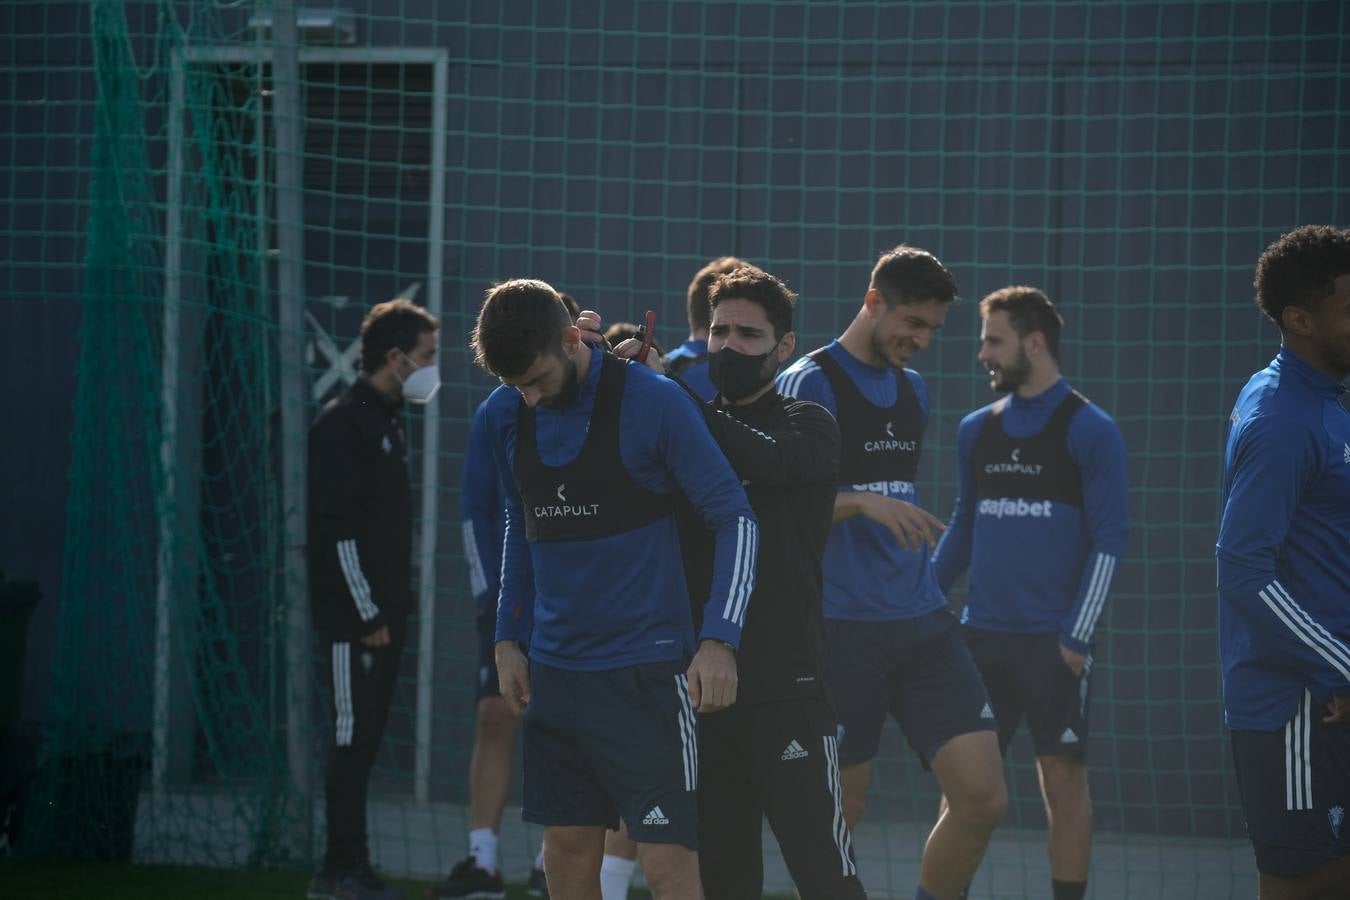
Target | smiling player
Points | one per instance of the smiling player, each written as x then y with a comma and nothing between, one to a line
893,646
1040,521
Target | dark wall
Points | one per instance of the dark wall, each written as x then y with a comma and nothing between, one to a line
45,124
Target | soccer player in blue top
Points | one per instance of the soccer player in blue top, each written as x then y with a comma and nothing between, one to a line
593,450
1284,574
893,646
690,360
1041,522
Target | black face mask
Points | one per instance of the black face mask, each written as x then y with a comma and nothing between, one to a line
737,376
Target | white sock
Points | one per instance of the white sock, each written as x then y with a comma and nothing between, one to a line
483,848
616,873
539,860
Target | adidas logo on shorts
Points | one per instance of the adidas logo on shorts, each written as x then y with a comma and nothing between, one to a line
1068,737
656,817
987,712
794,751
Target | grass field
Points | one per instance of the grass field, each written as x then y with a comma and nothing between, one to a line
58,880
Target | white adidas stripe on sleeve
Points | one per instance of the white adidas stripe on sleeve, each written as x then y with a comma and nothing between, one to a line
356,579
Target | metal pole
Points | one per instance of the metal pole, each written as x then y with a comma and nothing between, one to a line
426,643
168,439
289,131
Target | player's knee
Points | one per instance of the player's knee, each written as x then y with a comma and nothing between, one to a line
991,803
981,804
496,722
668,868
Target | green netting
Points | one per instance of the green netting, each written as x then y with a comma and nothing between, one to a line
1131,158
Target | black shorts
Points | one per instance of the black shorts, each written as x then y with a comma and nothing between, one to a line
1295,788
621,743
487,656
1028,679
918,670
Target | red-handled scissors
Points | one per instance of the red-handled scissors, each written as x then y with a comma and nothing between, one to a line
648,331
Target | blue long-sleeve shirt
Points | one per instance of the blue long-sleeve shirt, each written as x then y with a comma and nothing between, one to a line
1039,575
868,575
1284,545
696,376
622,600
483,517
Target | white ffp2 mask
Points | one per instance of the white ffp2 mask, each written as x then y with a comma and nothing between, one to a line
422,384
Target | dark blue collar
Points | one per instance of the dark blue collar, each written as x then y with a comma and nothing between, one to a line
1319,381
1046,399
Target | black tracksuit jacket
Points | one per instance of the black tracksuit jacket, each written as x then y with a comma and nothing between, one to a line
788,460
359,515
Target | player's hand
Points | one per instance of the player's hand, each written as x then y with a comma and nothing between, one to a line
913,526
712,677
377,638
588,323
1338,711
1075,661
629,348
513,675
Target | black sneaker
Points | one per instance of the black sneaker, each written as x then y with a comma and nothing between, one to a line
469,881
538,884
321,886
361,883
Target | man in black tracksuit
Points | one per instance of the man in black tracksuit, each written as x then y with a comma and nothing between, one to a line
360,571
774,752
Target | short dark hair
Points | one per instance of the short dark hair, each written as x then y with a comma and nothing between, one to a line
619,332
1300,268
907,275
520,319
389,325
757,286
700,313
1028,309
573,309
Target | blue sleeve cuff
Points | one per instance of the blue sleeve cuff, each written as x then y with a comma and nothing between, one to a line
720,630
513,629
1077,646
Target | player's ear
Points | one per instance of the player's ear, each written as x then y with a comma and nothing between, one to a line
786,347
1296,320
571,338
1035,343
873,302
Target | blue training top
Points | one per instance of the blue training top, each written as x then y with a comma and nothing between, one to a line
622,600
1040,567
1284,545
869,576
483,516
696,375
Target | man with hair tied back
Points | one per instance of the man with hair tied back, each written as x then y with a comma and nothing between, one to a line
1041,521
593,450
893,646
1284,574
